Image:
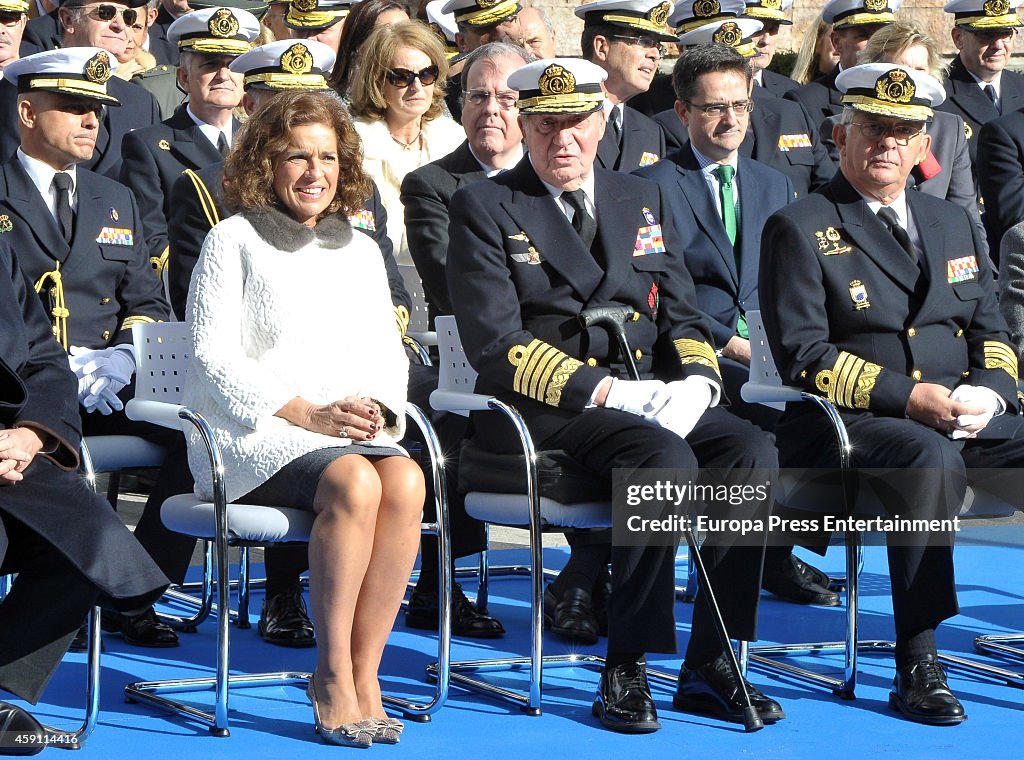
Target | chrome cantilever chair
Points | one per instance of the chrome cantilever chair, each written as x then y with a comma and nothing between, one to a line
225,525
533,511
765,387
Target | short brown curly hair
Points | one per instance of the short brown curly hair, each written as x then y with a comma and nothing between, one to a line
366,90
249,168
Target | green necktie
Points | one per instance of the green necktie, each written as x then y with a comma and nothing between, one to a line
725,173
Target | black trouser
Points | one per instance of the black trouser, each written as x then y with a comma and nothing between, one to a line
641,607
920,565
39,618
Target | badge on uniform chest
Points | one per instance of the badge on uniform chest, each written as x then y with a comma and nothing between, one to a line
531,255
115,236
961,270
649,238
859,295
6,225
830,242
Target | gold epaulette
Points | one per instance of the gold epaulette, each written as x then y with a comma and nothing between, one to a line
697,352
850,381
542,371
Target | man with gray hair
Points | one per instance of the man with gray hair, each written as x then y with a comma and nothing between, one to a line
538,33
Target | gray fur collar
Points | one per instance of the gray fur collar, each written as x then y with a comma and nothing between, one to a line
285,234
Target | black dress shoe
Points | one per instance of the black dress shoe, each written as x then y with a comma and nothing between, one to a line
712,689
790,580
921,694
623,702
21,733
142,630
285,622
572,616
422,613
599,598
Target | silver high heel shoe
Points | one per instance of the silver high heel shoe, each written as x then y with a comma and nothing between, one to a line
387,730
359,735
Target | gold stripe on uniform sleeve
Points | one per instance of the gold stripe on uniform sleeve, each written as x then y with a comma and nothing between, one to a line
1000,356
130,322
697,352
542,371
402,319
850,381
159,263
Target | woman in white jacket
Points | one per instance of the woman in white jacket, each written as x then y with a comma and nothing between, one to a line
299,368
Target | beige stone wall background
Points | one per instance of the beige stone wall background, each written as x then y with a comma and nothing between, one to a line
927,14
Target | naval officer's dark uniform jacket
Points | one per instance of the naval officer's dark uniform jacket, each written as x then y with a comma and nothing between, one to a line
67,545
519,276
152,160
642,143
965,98
780,136
138,109
103,279
851,316
819,98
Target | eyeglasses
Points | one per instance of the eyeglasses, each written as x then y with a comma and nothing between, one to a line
404,77
10,18
876,131
107,13
717,110
647,43
506,100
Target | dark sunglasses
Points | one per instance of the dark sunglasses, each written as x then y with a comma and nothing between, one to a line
107,13
404,77
10,18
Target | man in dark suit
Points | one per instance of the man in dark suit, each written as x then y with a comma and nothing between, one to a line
493,145
772,14
66,545
1000,171
163,50
12,29
883,301
720,202
529,250
979,87
853,22
41,33
624,37
200,132
78,238
85,26
779,133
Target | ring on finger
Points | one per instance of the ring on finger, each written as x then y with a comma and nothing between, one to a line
343,432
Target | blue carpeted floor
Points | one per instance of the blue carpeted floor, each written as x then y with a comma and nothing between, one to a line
277,723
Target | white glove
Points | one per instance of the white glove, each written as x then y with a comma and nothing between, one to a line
84,362
634,396
119,366
976,395
681,404
102,398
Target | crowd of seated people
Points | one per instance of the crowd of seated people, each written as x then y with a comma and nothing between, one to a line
261,172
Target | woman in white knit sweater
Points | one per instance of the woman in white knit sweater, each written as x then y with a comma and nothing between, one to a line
299,368
397,101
